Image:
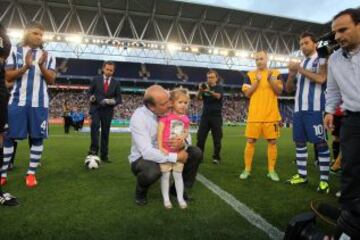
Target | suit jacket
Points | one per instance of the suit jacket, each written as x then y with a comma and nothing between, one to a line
97,89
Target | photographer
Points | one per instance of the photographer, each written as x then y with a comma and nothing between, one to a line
344,85
211,119
67,116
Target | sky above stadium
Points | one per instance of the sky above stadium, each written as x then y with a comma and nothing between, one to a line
319,11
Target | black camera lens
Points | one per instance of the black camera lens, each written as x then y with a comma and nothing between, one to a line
203,85
327,45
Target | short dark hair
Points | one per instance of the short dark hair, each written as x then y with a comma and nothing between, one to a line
353,12
262,50
35,24
308,34
213,71
108,63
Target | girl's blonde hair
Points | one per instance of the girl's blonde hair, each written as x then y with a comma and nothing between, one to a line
177,92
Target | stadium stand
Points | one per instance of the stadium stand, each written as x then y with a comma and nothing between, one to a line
136,76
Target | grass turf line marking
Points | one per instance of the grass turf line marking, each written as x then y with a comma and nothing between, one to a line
252,217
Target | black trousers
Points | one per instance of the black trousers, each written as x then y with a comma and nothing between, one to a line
350,164
67,124
148,172
100,118
78,125
3,108
213,123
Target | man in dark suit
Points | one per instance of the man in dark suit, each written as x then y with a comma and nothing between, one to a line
105,94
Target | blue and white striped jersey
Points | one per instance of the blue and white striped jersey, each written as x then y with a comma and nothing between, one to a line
310,96
31,88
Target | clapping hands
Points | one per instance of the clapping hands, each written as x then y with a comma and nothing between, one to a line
293,67
29,58
43,58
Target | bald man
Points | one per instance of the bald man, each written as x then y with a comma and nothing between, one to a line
262,88
145,156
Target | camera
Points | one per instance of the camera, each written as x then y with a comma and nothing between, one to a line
326,45
203,86
347,221
303,226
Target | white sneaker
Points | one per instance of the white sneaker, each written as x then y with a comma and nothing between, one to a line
216,161
183,205
168,205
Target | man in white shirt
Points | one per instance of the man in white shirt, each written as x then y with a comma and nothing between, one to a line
344,87
145,155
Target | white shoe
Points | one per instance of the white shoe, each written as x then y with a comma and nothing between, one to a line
216,161
168,205
183,205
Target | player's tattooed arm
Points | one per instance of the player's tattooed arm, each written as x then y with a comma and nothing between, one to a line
318,77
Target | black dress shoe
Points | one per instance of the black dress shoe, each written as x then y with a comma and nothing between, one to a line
187,197
140,196
105,159
140,201
91,152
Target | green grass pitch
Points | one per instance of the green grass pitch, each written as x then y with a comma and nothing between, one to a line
72,202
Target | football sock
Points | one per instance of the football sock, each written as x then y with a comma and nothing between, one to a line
179,185
248,155
301,159
272,156
36,150
165,185
12,160
324,160
8,151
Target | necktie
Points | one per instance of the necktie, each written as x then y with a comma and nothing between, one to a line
106,85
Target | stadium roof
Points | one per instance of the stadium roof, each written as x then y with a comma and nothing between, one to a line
158,20
160,24
320,11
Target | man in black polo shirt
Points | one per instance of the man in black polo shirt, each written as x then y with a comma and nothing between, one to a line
211,119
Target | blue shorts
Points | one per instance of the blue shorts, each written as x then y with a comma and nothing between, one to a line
308,127
24,121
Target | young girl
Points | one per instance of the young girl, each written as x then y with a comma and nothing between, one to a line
174,125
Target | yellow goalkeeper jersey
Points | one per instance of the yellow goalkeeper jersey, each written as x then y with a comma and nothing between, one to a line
263,105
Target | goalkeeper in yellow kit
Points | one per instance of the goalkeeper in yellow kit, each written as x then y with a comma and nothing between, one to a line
262,88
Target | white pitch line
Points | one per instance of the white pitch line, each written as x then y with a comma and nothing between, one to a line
82,136
251,216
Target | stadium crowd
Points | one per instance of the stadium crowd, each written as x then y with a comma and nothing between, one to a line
234,110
